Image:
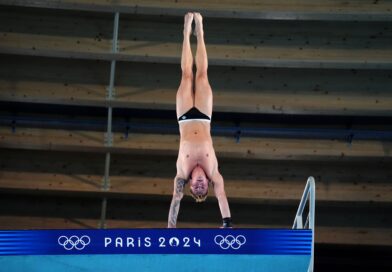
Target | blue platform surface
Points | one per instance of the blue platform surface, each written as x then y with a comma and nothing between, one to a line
156,250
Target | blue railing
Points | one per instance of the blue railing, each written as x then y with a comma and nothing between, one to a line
235,131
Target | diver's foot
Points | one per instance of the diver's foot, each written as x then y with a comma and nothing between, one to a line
188,23
199,32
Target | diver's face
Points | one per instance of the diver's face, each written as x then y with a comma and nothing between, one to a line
199,182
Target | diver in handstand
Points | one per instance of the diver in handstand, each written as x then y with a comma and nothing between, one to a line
196,163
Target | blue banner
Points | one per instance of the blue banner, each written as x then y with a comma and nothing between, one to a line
156,241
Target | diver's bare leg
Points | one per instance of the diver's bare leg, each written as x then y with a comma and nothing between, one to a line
203,91
184,98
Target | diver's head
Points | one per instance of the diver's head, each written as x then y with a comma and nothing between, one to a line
198,182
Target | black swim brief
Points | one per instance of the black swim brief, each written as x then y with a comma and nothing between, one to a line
194,114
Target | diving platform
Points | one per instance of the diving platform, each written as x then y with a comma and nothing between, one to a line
165,249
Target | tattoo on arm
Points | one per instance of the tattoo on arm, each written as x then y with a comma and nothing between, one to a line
174,208
175,203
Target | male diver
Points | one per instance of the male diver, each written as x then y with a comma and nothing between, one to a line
196,162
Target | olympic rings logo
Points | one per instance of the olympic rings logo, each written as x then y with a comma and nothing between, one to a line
74,242
230,241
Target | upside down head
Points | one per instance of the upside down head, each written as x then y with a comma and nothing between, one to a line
198,184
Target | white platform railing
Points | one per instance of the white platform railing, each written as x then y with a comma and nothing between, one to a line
309,194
